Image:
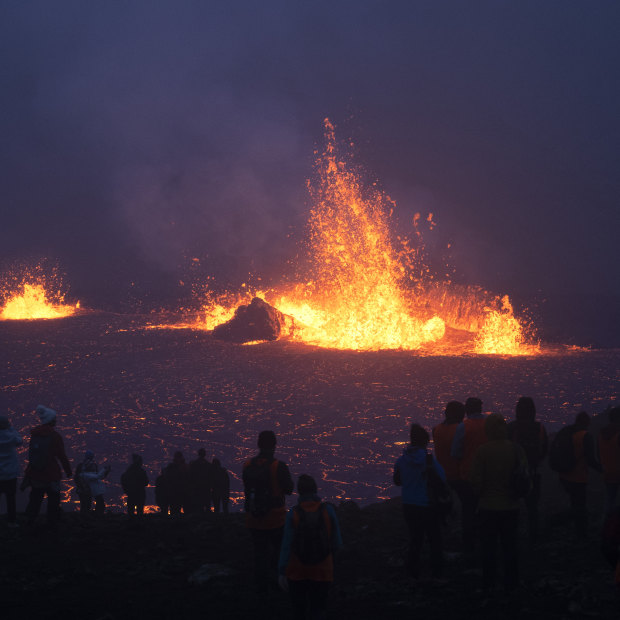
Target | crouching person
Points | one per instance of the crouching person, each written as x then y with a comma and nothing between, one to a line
311,537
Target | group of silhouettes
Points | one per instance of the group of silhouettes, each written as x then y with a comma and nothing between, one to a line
488,464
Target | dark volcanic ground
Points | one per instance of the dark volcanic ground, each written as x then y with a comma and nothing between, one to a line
341,416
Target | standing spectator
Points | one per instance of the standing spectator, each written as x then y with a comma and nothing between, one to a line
162,497
575,481
200,472
443,437
266,482
92,486
311,538
469,436
609,450
221,487
134,482
532,437
46,454
491,473
9,467
411,472
177,483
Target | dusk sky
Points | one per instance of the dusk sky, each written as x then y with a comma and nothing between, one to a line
138,135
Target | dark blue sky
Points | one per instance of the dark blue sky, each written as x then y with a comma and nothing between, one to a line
136,135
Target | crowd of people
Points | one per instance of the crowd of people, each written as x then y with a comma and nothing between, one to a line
480,463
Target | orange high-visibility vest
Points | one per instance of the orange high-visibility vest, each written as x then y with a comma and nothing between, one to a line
443,434
580,471
475,436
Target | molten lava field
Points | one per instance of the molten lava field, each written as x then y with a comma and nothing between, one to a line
341,416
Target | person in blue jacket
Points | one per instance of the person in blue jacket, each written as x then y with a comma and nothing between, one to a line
410,473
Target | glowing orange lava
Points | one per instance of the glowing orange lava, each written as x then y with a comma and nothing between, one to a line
361,293
32,303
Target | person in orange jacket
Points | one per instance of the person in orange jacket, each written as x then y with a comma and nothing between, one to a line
609,452
469,436
266,482
575,482
306,567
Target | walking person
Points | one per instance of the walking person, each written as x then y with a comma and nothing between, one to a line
9,468
531,435
411,472
45,457
491,477
266,481
311,539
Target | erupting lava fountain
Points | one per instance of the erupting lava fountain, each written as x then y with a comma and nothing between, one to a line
31,301
361,293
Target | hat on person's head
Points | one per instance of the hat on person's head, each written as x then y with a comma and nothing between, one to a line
4,422
89,454
46,415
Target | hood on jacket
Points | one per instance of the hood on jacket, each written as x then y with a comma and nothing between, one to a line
415,455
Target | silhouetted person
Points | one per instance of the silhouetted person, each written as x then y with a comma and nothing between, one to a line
134,482
177,483
609,451
9,467
610,543
575,482
89,482
443,437
468,437
491,472
532,437
221,487
162,497
311,538
266,482
200,471
410,472
45,455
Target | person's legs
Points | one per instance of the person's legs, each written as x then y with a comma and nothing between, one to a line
508,523
318,592
37,492
577,493
611,489
53,502
532,502
469,505
99,505
415,517
9,489
298,592
488,545
433,530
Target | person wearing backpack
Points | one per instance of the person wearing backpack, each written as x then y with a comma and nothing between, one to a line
266,482
89,482
491,477
532,437
9,467
311,538
411,473
46,455
575,480
468,437
134,482
609,451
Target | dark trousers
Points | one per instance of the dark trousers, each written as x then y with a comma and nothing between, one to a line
469,506
37,493
423,523
611,489
309,599
86,503
578,497
499,527
220,503
9,489
266,555
135,504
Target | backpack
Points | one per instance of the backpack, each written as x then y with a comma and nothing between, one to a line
562,451
39,452
439,495
259,498
311,540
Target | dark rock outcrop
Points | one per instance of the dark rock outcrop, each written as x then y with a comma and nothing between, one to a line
256,321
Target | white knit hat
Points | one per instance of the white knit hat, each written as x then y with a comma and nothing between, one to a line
46,415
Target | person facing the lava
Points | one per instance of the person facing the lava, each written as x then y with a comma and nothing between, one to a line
134,482
468,437
177,484
411,473
45,456
9,467
532,437
220,491
266,482
575,481
201,475
89,481
311,538
609,450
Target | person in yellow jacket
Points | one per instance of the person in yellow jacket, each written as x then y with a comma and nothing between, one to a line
498,508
